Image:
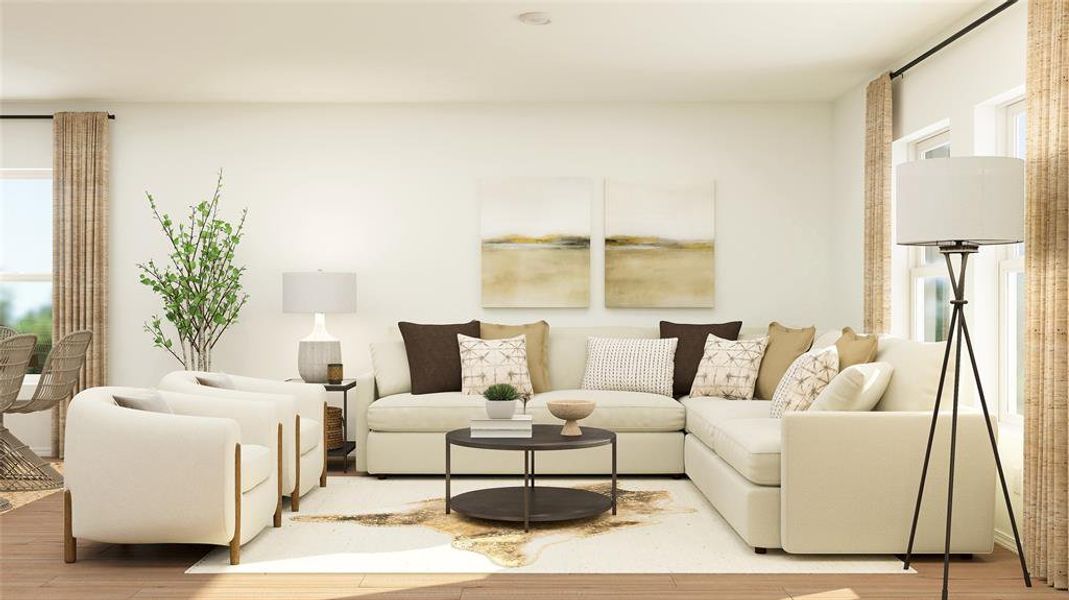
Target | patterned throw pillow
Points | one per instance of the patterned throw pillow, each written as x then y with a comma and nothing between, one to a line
728,368
486,362
630,365
804,380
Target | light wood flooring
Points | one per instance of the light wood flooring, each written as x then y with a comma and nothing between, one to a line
31,566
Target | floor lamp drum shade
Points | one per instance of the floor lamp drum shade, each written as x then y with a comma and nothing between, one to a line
975,200
318,293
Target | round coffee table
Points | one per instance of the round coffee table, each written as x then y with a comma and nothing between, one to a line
530,503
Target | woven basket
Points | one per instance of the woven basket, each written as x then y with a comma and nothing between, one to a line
335,428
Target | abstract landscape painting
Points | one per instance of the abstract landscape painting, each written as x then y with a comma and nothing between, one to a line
659,250
536,242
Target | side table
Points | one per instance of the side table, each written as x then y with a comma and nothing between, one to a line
348,446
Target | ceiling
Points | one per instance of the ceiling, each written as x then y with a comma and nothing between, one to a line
457,51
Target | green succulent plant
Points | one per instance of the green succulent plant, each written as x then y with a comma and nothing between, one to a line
501,392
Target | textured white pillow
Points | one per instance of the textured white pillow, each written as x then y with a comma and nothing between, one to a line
804,380
484,363
728,368
630,365
856,388
146,400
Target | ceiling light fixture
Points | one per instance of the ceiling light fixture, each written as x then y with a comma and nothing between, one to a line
535,18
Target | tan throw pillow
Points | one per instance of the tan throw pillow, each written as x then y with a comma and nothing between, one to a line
856,349
806,378
484,363
785,345
537,335
728,368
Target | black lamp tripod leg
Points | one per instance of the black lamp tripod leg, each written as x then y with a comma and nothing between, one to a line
953,451
931,437
994,450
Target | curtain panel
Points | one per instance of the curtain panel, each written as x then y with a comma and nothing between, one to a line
1046,465
80,244
877,275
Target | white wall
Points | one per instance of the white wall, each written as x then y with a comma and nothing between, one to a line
959,86
389,192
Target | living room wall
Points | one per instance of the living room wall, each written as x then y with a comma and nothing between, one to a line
389,192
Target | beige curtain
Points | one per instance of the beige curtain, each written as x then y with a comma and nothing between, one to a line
79,247
1046,467
877,276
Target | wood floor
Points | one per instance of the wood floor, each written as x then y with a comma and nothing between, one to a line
31,566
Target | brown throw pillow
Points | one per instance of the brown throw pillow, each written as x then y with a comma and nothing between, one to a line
537,335
691,348
856,349
784,346
434,355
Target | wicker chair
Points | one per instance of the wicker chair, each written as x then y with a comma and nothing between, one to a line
15,353
56,384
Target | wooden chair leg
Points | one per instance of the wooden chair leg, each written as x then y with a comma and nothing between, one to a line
70,543
235,542
278,507
323,476
295,498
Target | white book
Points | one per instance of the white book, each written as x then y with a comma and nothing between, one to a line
500,433
513,423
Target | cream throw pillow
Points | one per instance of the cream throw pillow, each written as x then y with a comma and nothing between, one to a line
804,380
728,369
630,365
855,388
484,363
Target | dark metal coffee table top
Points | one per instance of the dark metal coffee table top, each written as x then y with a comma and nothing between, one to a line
543,437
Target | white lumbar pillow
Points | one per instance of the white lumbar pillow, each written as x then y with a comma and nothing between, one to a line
856,388
630,365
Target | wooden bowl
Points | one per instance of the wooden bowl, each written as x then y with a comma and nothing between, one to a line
571,411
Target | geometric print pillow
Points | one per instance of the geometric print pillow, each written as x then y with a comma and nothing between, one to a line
728,369
804,380
486,362
630,365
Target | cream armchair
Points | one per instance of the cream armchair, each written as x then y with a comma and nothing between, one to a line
207,474
300,407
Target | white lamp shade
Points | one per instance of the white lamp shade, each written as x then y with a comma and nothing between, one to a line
319,292
973,199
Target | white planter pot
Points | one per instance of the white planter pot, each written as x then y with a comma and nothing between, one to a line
500,410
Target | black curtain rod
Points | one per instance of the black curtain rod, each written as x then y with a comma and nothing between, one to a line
953,38
110,116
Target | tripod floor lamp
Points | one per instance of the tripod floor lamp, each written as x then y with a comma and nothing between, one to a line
959,204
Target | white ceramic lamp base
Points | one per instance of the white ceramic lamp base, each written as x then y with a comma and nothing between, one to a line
313,358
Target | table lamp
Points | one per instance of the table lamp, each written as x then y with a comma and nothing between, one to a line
959,204
318,293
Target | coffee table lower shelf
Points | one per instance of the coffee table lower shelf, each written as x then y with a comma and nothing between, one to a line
546,504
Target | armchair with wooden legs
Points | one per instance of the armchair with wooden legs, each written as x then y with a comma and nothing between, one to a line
200,470
300,407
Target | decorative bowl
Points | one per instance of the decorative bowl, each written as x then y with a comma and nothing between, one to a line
571,411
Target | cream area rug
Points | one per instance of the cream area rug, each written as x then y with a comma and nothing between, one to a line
366,525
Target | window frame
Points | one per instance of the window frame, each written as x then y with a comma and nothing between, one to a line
19,276
919,268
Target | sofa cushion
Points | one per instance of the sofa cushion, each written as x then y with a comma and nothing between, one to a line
916,374
784,346
390,363
434,354
256,465
617,411
567,351
740,432
537,347
311,435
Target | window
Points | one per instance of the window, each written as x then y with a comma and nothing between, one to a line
1011,282
26,255
929,304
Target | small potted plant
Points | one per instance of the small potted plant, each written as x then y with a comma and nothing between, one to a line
501,401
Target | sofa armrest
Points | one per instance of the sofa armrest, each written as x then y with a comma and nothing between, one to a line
310,397
366,394
144,477
850,480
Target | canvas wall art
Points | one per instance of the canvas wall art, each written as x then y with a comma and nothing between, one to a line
536,242
659,249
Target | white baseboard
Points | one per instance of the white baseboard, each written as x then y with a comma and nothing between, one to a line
1006,540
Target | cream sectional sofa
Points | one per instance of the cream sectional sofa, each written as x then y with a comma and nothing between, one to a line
812,482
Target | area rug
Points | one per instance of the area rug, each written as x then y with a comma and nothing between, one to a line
399,525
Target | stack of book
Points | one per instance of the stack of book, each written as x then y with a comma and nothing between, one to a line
519,426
